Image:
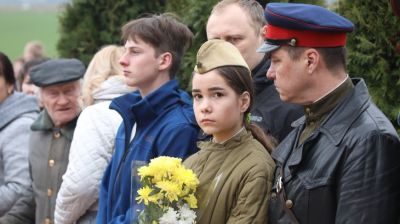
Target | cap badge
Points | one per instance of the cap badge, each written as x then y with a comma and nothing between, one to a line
292,42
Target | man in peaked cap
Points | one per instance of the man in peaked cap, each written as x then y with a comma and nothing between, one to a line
340,163
60,89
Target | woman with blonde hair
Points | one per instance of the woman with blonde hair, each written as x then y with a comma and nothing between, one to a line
104,66
93,141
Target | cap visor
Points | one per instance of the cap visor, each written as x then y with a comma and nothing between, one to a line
267,48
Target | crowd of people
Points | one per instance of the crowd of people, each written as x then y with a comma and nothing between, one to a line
274,127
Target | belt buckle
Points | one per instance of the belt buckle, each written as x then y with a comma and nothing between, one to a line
279,185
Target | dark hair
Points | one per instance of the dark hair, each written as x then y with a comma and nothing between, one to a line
164,32
334,57
6,69
26,68
239,79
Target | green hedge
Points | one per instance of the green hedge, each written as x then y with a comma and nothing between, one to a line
374,51
89,24
374,47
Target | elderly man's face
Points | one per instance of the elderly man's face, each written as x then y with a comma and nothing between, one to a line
62,102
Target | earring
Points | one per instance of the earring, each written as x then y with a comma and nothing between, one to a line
248,118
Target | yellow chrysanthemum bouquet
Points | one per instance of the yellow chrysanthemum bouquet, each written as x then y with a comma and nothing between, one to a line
167,191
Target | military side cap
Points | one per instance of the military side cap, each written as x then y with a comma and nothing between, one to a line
218,53
57,71
303,25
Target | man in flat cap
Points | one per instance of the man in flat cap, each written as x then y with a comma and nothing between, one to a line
341,162
59,89
241,23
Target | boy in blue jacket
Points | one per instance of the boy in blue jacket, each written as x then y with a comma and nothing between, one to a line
158,119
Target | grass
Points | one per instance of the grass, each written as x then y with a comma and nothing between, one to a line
19,27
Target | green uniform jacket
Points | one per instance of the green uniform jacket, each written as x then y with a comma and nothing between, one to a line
235,180
48,160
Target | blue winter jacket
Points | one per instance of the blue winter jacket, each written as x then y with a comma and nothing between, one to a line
165,125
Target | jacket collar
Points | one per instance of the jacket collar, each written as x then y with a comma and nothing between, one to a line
259,75
315,112
230,144
19,104
44,123
338,123
112,87
132,105
335,126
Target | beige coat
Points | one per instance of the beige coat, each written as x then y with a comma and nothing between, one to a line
235,180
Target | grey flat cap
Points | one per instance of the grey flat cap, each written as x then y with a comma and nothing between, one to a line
57,71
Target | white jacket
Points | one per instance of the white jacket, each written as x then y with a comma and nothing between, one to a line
91,150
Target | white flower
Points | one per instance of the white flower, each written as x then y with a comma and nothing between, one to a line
170,217
186,214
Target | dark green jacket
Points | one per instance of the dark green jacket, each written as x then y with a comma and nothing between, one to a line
48,160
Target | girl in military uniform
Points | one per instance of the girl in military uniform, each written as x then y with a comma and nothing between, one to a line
234,168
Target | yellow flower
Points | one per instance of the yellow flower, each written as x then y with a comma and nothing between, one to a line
166,182
144,172
167,161
144,195
191,200
161,168
171,189
186,177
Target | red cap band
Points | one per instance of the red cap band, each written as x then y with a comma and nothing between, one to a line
306,38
